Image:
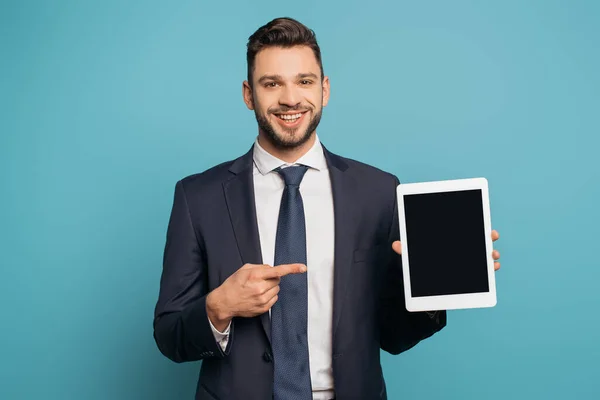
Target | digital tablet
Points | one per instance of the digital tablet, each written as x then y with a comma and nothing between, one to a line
446,235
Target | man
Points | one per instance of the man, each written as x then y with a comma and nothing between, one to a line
282,268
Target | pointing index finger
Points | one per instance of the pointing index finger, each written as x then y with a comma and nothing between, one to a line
283,270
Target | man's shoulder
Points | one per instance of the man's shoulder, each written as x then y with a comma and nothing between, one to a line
215,173
212,177
362,170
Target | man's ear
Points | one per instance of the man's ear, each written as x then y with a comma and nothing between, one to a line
326,90
247,94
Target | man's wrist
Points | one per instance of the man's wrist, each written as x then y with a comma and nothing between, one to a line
217,314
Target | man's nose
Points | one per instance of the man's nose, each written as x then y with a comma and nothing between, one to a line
289,96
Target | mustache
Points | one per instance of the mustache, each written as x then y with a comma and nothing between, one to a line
284,109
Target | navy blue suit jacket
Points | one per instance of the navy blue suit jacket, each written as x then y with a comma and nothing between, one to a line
213,231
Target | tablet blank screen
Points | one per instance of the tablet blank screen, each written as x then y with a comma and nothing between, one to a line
446,243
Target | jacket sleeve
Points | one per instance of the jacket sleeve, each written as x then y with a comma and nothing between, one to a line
182,330
400,329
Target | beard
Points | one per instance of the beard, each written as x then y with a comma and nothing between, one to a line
289,138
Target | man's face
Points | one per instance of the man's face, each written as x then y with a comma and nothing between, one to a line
287,95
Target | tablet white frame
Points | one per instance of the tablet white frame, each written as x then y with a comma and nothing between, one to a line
457,301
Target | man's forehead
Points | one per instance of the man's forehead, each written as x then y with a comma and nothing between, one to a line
286,61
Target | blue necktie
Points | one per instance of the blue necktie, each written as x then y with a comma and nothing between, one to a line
289,315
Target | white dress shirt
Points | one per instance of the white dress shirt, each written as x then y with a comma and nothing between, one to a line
317,198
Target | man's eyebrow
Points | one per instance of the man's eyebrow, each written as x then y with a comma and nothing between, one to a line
270,78
307,75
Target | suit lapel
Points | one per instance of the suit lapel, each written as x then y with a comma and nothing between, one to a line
239,195
342,186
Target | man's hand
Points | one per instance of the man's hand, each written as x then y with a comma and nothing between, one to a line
397,246
250,291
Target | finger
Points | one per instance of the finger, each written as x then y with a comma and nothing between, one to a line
496,254
250,266
397,246
271,282
496,266
270,304
495,235
283,270
268,295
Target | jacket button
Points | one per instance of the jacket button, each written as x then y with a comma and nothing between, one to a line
267,356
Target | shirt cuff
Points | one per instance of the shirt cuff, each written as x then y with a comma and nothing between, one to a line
221,337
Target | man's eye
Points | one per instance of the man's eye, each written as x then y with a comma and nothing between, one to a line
305,82
271,84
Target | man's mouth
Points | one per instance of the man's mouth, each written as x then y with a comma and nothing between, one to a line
290,120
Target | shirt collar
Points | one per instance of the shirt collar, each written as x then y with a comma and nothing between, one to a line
266,162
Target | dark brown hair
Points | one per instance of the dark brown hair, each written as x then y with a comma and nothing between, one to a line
281,32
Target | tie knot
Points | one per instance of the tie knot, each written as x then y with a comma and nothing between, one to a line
292,175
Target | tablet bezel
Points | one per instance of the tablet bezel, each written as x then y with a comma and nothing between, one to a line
455,301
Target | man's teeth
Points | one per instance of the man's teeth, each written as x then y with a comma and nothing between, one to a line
290,118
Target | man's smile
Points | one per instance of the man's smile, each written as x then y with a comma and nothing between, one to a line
290,120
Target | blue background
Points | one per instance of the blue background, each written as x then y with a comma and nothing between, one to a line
105,105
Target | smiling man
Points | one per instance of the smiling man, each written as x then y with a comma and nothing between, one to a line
282,268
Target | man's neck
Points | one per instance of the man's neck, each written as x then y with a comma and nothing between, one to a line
289,155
